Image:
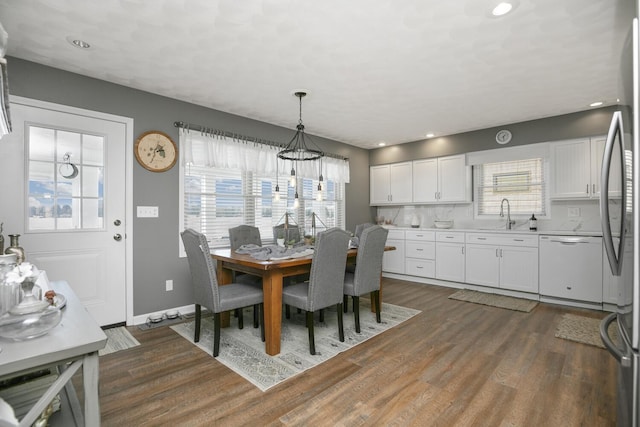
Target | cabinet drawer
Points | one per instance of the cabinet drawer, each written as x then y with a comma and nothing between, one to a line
423,250
453,237
503,239
420,235
422,268
395,234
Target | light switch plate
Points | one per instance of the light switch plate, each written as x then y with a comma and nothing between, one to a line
147,212
573,212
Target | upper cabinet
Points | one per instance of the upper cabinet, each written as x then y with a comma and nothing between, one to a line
391,184
576,167
442,180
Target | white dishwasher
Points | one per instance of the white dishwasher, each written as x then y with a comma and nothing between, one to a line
571,267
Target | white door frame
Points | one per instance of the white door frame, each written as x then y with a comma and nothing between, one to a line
128,122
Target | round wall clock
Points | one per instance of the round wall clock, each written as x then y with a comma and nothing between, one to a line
156,151
503,136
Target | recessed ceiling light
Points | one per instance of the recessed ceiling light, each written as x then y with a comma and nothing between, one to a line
430,135
502,9
596,104
381,144
79,43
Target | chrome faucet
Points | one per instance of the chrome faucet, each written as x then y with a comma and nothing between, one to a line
509,221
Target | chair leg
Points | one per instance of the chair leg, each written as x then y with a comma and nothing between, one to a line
287,311
261,318
340,323
256,316
240,319
356,312
345,302
322,315
216,334
312,343
196,335
376,300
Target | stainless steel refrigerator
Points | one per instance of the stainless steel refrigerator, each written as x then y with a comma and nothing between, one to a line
619,198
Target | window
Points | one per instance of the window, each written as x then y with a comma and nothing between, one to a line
216,199
522,182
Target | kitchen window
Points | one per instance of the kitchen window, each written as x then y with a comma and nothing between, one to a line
522,182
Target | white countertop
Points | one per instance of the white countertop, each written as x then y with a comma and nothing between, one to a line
504,231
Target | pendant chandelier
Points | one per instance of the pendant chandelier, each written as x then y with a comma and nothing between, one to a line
300,149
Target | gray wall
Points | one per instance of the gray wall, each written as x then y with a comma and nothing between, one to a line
155,241
568,126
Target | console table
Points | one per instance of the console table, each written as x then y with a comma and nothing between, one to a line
74,343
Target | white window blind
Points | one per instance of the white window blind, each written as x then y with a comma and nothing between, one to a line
216,199
522,182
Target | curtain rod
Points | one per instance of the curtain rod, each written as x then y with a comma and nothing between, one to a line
217,132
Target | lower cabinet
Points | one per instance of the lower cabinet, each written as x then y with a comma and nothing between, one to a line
450,256
503,261
420,252
393,261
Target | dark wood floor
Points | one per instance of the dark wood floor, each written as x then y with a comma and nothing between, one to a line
455,363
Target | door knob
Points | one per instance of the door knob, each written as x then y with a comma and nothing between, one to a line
117,237
117,222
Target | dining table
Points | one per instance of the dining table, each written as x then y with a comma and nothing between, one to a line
272,272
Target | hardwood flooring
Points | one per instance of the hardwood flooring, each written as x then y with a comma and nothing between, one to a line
454,364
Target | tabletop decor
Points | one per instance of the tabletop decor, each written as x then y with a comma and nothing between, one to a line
15,248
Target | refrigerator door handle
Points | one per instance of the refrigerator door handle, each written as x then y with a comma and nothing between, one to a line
614,129
621,356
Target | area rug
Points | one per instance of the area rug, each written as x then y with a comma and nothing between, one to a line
118,339
501,301
585,330
242,350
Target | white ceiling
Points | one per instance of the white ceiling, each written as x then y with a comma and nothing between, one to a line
376,71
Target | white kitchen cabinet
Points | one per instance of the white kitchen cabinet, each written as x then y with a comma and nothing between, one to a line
420,252
576,167
450,256
440,180
571,267
393,261
391,184
507,261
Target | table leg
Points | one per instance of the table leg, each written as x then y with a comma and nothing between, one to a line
90,374
272,289
225,276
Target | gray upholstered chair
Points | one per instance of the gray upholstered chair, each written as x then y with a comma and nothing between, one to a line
292,233
216,298
351,268
326,280
366,278
244,235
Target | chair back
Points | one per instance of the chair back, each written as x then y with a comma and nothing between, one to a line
369,259
360,228
244,235
326,279
203,270
291,233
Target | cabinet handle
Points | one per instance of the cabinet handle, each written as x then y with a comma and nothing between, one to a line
448,237
419,249
593,189
518,240
587,188
419,267
482,238
462,250
500,253
497,253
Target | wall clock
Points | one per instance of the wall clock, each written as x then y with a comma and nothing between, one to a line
503,136
156,151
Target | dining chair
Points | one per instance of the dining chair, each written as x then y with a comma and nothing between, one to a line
351,268
326,280
245,235
366,278
292,233
216,298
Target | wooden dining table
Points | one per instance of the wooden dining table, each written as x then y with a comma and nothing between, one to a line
272,273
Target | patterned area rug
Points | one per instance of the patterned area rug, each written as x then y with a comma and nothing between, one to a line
243,351
118,339
501,301
585,330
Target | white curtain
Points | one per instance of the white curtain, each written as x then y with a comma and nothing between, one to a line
202,149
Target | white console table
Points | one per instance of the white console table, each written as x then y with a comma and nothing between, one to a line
74,343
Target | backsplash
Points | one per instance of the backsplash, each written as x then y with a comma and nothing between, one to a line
576,215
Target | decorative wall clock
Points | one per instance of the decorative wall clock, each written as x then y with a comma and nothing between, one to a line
503,136
156,151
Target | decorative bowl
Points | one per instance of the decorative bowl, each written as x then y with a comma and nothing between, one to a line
19,327
443,223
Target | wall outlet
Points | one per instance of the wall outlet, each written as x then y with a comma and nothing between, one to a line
573,212
169,285
147,212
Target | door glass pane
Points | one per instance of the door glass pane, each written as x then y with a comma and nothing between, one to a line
64,211
93,150
92,215
39,146
91,181
68,143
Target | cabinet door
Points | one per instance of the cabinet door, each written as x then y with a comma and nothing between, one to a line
519,268
379,185
482,265
454,179
425,180
450,261
571,169
615,179
401,182
393,261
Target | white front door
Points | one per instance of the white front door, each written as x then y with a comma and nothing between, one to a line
64,192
